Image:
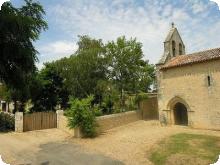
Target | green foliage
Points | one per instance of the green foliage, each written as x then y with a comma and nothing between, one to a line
200,146
140,97
48,90
108,72
81,114
97,110
83,70
131,103
4,93
128,71
7,122
109,101
96,67
19,28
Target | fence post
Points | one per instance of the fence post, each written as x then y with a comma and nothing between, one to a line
19,122
59,114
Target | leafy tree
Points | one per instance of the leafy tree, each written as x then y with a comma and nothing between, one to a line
127,68
106,71
84,70
13,94
19,28
47,90
4,93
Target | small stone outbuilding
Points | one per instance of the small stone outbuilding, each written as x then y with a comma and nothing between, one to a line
188,85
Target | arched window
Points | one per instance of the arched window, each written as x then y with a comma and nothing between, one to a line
180,49
174,48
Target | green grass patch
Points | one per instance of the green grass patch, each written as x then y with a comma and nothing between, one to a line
204,147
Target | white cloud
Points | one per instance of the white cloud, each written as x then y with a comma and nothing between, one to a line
149,22
218,2
1,2
55,50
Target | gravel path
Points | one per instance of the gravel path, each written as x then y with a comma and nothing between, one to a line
132,143
47,147
129,144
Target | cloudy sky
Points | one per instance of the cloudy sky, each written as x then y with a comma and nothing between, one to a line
198,21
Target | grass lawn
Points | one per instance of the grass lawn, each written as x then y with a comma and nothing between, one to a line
190,149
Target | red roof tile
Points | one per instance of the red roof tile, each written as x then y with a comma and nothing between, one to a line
197,57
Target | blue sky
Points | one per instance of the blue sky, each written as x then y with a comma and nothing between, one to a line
198,21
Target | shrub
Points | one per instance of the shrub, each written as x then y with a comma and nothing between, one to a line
81,114
109,102
7,122
97,111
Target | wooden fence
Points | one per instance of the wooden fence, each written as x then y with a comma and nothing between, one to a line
39,120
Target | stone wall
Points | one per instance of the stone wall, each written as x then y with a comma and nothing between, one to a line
189,85
105,122
149,108
115,120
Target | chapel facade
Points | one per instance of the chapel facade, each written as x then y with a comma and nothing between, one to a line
188,85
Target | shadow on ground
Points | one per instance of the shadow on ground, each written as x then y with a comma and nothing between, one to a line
69,154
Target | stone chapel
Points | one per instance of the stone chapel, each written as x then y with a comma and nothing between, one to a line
188,85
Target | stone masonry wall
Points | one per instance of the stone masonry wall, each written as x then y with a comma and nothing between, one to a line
189,84
105,122
149,108
111,121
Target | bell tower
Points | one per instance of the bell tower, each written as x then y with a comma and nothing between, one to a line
173,45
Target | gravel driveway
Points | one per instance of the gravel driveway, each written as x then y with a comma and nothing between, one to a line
130,144
47,147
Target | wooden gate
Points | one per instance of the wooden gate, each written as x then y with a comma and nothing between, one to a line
39,120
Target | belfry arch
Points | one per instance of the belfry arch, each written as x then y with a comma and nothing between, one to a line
179,111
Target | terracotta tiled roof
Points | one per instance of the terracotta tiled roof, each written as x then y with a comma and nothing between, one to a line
197,57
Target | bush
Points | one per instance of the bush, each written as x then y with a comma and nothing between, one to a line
97,111
81,114
7,122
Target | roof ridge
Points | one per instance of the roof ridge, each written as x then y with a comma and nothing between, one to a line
201,51
196,57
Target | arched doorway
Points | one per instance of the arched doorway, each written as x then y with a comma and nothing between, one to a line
180,114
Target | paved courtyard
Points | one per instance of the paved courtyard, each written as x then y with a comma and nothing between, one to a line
129,144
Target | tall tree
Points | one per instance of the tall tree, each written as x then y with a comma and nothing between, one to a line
128,69
47,90
19,28
83,70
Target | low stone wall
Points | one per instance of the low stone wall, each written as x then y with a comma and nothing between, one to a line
111,121
105,122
